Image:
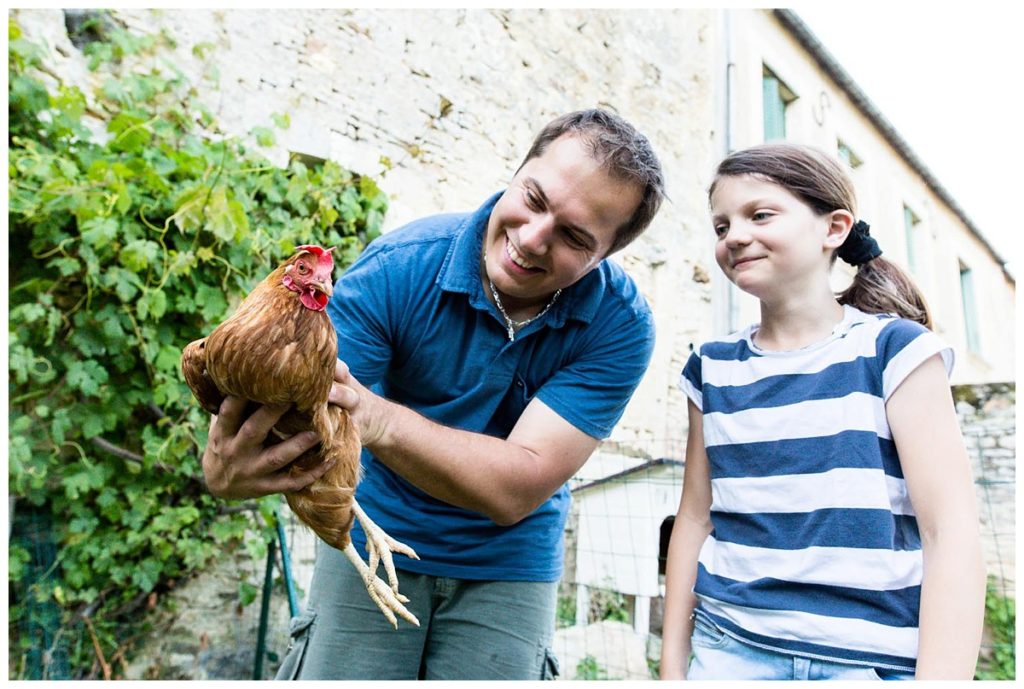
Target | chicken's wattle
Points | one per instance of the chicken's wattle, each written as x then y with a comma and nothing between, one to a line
313,299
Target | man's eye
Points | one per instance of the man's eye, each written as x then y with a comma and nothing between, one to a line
573,240
532,201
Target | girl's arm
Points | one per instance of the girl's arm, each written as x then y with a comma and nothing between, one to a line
692,525
938,475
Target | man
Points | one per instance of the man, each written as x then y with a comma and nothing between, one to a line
487,354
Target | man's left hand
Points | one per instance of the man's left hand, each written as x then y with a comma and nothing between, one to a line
366,409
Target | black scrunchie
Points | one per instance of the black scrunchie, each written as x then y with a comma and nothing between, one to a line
859,247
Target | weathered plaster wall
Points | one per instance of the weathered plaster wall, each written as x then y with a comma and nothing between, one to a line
452,98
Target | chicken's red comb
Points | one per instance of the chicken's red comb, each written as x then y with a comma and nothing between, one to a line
318,251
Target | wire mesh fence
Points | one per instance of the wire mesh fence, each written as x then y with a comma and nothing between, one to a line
611,597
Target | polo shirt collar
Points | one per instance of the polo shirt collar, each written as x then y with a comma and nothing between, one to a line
461,273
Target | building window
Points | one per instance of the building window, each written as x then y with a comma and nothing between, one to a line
910,223
777,96
970,308
847,155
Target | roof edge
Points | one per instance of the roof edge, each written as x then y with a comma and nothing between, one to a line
626,472
796,26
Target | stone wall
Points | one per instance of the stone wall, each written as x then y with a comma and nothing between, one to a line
441,105
451,100
987,420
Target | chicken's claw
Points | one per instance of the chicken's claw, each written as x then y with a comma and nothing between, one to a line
389,601
380,546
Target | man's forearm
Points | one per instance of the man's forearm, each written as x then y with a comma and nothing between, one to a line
471,470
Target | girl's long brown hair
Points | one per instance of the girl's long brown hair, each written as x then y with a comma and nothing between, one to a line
880,286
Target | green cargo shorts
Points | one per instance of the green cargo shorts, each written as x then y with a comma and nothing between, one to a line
475,630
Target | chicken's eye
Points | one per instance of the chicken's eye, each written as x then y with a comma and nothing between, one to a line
303,269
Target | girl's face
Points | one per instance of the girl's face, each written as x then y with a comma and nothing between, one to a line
770,243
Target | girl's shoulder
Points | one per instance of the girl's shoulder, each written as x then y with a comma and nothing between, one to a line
731,346
900,345
889,330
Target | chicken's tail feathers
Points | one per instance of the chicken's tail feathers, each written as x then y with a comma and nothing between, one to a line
193,368
326,505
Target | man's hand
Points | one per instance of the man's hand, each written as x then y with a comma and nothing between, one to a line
367,410
236,463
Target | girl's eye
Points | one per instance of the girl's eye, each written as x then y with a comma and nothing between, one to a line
720,230
762,215
532,201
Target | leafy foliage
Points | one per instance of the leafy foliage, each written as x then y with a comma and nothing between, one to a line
565,612
999,661
128,242
608,604
589,669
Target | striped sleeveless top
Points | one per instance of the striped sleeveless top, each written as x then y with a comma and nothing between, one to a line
815,549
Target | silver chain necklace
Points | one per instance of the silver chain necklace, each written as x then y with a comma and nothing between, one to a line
512,325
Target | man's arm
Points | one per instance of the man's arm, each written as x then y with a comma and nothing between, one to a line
503,479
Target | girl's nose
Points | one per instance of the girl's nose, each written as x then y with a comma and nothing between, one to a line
738,235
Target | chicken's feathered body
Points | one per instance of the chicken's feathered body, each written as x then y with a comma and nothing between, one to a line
280,348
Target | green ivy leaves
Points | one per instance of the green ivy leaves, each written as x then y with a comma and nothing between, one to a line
129,238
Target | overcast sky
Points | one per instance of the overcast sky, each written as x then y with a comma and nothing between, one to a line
947,76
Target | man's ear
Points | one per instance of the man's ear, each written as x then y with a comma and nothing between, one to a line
839,224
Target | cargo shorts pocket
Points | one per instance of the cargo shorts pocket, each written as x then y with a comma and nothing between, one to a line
550,668
299,631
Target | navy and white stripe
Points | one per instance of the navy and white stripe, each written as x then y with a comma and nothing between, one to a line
815,548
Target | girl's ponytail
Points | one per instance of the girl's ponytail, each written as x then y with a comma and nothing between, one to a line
880,286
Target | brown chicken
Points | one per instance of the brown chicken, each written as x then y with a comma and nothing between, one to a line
280,348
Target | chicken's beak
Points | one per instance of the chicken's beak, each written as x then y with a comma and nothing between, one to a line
325,287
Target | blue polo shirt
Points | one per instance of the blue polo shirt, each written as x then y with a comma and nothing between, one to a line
415,326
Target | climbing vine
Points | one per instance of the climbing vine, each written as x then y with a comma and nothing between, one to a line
134,229
999,652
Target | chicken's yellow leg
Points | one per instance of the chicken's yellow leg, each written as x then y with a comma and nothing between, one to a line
387,600
380,546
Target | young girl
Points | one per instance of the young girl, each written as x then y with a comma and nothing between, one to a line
827,527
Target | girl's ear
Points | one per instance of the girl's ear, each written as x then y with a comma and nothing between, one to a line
839,224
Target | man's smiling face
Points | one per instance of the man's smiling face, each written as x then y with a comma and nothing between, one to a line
554,224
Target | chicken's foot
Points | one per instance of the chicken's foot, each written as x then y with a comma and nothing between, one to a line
389,602
380,546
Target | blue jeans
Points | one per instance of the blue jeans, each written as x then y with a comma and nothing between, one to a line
481,630
716,655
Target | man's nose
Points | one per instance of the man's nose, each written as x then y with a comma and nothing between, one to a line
535,236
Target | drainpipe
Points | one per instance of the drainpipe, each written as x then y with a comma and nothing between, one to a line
724,319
